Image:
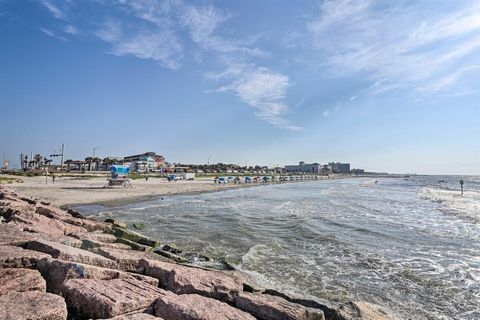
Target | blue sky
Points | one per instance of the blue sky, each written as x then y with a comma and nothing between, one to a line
385,85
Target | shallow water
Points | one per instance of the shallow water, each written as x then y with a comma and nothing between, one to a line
411,245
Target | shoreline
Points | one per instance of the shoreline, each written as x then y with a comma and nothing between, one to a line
80,191
61,261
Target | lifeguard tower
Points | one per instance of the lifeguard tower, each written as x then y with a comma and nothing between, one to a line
119,177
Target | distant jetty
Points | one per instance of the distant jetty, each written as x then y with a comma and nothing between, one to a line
58,264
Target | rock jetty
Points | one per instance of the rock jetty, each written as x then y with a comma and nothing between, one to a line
57,264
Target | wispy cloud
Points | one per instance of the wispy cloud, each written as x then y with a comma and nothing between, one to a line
71,30
52,34
54,9
398,44
262,89
160,46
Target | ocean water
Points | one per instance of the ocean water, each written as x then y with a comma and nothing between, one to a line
412,245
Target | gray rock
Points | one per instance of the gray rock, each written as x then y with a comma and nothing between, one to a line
32,305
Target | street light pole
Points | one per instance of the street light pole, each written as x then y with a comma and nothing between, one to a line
94,148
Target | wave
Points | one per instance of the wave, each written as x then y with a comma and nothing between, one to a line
452,201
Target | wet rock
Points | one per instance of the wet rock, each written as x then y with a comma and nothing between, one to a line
274,308
134,236
16,257
134,245
128,260
32,305
75,214
361,310
171,256
171,248
195,307
138,225
327,307
56,272
21,280
109,298
63,252
116,223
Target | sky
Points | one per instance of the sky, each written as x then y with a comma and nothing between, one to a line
389,86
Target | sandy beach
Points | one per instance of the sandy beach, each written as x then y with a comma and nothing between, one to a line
79,190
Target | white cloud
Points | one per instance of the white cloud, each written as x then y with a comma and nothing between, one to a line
55,10
353,98
398,44
326,113
52,34
161,45
71,30
262,89
160,31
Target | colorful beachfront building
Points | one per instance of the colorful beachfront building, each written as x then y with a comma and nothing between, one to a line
147,161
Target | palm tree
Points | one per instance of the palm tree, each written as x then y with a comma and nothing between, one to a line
89,161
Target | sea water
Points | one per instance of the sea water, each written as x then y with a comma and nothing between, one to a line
411,245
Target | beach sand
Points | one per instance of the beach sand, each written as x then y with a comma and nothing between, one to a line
78,190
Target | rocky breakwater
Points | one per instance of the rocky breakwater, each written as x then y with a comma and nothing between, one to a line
56,264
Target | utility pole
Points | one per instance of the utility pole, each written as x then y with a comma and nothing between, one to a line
63,155
94,148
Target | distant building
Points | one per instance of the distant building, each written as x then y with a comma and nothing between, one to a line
145,162
303,167
338,167
358,171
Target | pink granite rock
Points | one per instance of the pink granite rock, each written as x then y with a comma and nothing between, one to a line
56,272
13,235
157,269
182,279
21,280
42,224
63,252
128,260
109,298
213,284
274,308
195,307
59,214
16,257
32,305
